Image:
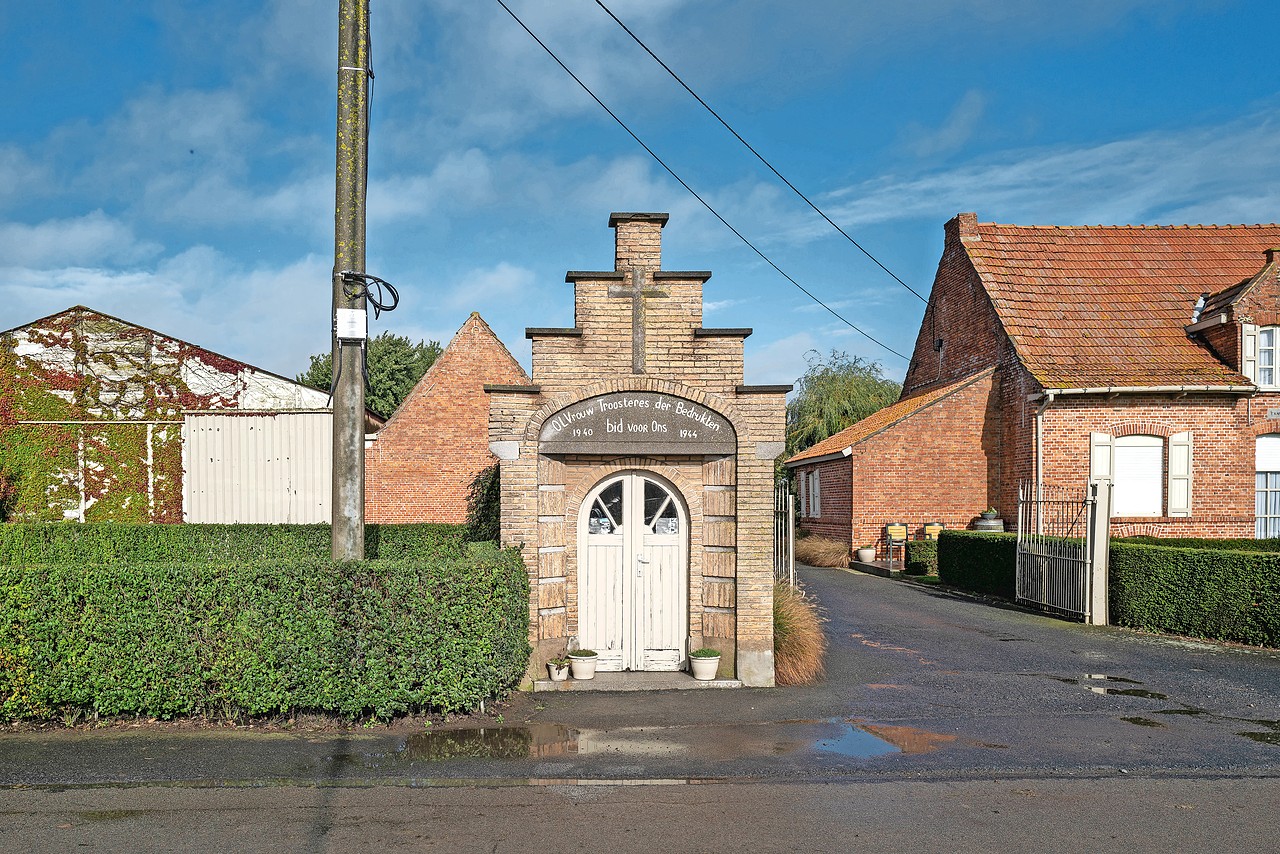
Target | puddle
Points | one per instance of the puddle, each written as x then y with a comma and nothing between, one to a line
1105,678
1129,692
1187,710
1143,722
847,738
1264,737
1101,689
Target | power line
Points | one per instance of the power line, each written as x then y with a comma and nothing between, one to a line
758,155
689,189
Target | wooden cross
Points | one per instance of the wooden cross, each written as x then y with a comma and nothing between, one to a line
636,291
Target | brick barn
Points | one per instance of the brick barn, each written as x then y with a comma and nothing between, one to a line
420,465
1143,354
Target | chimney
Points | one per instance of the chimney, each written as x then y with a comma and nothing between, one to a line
638,241
1272,255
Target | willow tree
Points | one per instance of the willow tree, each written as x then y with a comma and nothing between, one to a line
834,392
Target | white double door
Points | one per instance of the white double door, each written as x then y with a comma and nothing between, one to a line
633,574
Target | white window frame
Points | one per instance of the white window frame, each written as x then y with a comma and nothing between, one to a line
1174,474
1268,349
815,493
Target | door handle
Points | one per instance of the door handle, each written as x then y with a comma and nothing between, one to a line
639,560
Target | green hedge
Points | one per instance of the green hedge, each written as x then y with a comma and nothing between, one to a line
1211,593
271,636
108,542
922,557
1236,545
979,561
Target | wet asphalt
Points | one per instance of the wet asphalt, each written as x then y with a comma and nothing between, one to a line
921,685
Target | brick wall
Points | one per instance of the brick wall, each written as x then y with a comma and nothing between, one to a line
1223,431
420,466
943,464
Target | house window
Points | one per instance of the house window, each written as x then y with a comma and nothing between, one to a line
1260,354
810,494
1139,476
1150,476
1267,487
1267,355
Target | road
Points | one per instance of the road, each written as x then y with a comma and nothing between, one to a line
944,723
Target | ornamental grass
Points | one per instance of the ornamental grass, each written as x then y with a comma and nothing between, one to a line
822,551
799,644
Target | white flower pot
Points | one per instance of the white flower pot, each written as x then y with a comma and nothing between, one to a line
583,667
866,555
704,668
559,673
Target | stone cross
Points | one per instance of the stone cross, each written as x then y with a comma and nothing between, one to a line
636,291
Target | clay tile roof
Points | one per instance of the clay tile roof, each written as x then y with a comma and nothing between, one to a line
883,419
1108,306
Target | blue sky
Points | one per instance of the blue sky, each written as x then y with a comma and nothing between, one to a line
172,162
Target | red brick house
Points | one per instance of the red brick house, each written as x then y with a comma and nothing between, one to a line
420,465
1143,354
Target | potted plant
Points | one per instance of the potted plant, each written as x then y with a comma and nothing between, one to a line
704,663
989,513
867,553
583,663
558,667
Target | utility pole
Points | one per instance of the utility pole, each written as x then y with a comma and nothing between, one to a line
350,324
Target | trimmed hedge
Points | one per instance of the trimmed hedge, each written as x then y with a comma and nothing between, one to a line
922,557
108,542
1213,593
273,636
980,561
1235,545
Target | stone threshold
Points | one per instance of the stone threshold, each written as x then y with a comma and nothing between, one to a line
630,681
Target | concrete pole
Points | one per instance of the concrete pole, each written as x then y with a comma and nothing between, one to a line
348,254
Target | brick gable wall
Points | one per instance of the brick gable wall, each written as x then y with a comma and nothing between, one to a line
420,467
960,314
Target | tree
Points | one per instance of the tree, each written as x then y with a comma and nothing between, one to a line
395,366
834,393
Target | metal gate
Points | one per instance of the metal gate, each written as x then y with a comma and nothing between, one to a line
1063,537
784,536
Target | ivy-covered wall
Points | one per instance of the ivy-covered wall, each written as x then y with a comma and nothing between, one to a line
90,416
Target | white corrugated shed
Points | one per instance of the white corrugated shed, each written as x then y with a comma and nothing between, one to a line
263,468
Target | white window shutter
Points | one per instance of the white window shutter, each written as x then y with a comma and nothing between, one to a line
803,486
1249,351
1180,474
817,493
1101,454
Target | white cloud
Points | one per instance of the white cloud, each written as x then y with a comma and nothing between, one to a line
1204,174
955,131
499,284
80,241
780,361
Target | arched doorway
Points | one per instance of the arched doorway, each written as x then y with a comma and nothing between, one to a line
633,573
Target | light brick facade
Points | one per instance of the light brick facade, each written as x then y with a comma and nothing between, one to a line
1036,339
420,466
638,329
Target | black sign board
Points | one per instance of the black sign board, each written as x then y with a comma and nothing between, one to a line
637,422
